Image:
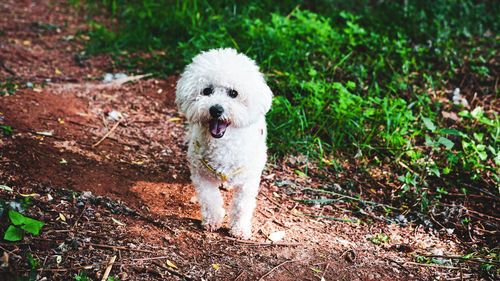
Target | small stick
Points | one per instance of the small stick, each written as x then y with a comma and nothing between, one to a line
77,267
79,217
239,275
461,272
348,197
274,268
152,258
118,247
109,132
255,243
461,258
324,271
430,265
172,271
399,264
108,268
272,201
442,226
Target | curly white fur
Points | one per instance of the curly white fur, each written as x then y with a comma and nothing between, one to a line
227,134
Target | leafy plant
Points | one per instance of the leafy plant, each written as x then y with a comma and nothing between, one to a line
8,87
6,130
379,238
20,224
347,79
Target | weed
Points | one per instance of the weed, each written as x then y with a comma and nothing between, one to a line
20,224
6,130
345,75
82,276
8,87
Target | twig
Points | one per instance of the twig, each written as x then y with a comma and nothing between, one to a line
109,132
256,243
272,201
108,268
77,267
347,257
172,271
399,264
118,247
239,275
430,265
471,211
432,217
274,268
330,218
152,258
483,191
148,269
462,258
324,271
79,217
349,197
461,272
294,9
7,69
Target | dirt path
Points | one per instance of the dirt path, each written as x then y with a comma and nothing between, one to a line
143,208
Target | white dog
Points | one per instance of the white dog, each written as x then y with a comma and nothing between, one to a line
225,98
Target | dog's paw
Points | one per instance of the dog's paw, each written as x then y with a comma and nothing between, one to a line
213,221
241,232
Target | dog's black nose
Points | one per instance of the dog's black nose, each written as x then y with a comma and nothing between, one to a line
216,111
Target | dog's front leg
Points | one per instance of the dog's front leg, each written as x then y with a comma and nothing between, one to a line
243,205
211,202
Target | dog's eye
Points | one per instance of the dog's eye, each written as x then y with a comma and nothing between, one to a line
208,91
233,93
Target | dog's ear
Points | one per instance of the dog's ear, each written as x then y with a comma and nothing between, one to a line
185,90
266,98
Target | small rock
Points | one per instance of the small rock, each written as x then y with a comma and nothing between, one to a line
114,115
86,195
120,75
401,219
108,77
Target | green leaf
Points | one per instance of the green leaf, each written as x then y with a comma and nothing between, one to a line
435,171
16,218
13,234
428,124
33,226
464,113
482,155
30,225
477,113
448,131
478,136
446,142
487,121
315,270
300,173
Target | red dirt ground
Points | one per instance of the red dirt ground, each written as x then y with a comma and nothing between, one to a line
143,208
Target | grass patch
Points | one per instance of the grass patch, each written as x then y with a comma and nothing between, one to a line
373,80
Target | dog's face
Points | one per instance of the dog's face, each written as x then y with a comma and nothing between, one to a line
222,89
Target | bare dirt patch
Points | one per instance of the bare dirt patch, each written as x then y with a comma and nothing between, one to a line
142,207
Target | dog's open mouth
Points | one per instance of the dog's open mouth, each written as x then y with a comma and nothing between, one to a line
218,127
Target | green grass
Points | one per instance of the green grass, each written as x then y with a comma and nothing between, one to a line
350,77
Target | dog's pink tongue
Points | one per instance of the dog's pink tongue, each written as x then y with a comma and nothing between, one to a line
217,127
